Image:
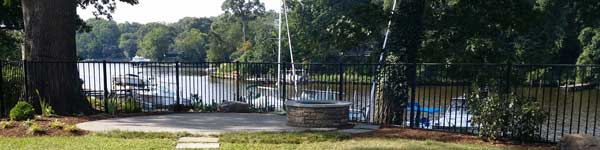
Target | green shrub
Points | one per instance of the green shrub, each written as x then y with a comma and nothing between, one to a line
47,110
22,111
71,128
123,105
12,87
27,123
35,129
506,115
6,124
57,124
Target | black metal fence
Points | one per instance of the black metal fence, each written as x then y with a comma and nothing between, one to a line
568,94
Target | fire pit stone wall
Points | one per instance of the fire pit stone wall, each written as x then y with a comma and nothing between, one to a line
317,115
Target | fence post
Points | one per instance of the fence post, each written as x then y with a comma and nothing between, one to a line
341,81
105,94
26,86
237,80
2,99
284,82
414,118
177,104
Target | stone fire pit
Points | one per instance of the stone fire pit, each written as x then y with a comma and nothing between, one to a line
317,114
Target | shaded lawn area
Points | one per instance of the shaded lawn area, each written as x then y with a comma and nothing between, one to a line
254,141
84,142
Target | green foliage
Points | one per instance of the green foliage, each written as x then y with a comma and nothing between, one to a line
47,110
35,128
155,44
128,43
123,105
71,128
27,123
6,124
142,135
10,42
22,111
57,124
13,77
188,23
590,41
283,137
506,115
191,45
102,42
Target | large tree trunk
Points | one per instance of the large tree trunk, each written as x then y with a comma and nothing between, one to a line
395,81
50,37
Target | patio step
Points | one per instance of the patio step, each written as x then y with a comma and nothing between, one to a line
197,146
198,140
198,143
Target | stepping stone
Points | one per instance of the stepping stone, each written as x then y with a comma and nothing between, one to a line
322,129
355,131
366,126
198,140
197,146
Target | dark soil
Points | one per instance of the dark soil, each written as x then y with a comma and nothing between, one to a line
19,130
419,134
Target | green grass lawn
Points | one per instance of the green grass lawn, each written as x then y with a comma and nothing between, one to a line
241,141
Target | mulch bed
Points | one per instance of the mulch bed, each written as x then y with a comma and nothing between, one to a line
18,130
419,134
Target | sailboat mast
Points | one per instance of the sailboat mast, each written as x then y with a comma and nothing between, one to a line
279,51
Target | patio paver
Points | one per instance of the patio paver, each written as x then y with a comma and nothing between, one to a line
195,123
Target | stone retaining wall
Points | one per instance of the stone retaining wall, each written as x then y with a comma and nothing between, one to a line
317,117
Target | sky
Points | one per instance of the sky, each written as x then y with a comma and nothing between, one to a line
167,11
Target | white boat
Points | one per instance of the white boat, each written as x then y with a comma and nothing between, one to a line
159,95
299,76
146,91
456,116
264,98
318,95
128,83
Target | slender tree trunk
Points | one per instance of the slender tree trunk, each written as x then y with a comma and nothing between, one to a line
50,36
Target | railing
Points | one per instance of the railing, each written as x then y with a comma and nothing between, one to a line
567,93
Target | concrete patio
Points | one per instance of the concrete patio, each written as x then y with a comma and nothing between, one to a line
195,123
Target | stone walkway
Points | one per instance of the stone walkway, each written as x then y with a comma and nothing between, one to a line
208,124
194,123
198,143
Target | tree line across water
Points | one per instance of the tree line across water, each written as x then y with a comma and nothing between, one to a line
453,31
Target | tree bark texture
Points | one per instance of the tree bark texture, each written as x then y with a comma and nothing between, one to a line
397,77
50,55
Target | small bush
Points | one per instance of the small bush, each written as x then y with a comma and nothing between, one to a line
123,105
506,115
35,129
6,124
47,110
57,124
22,111
27,123
71,128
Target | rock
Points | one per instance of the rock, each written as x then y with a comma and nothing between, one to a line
579,142
234,107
